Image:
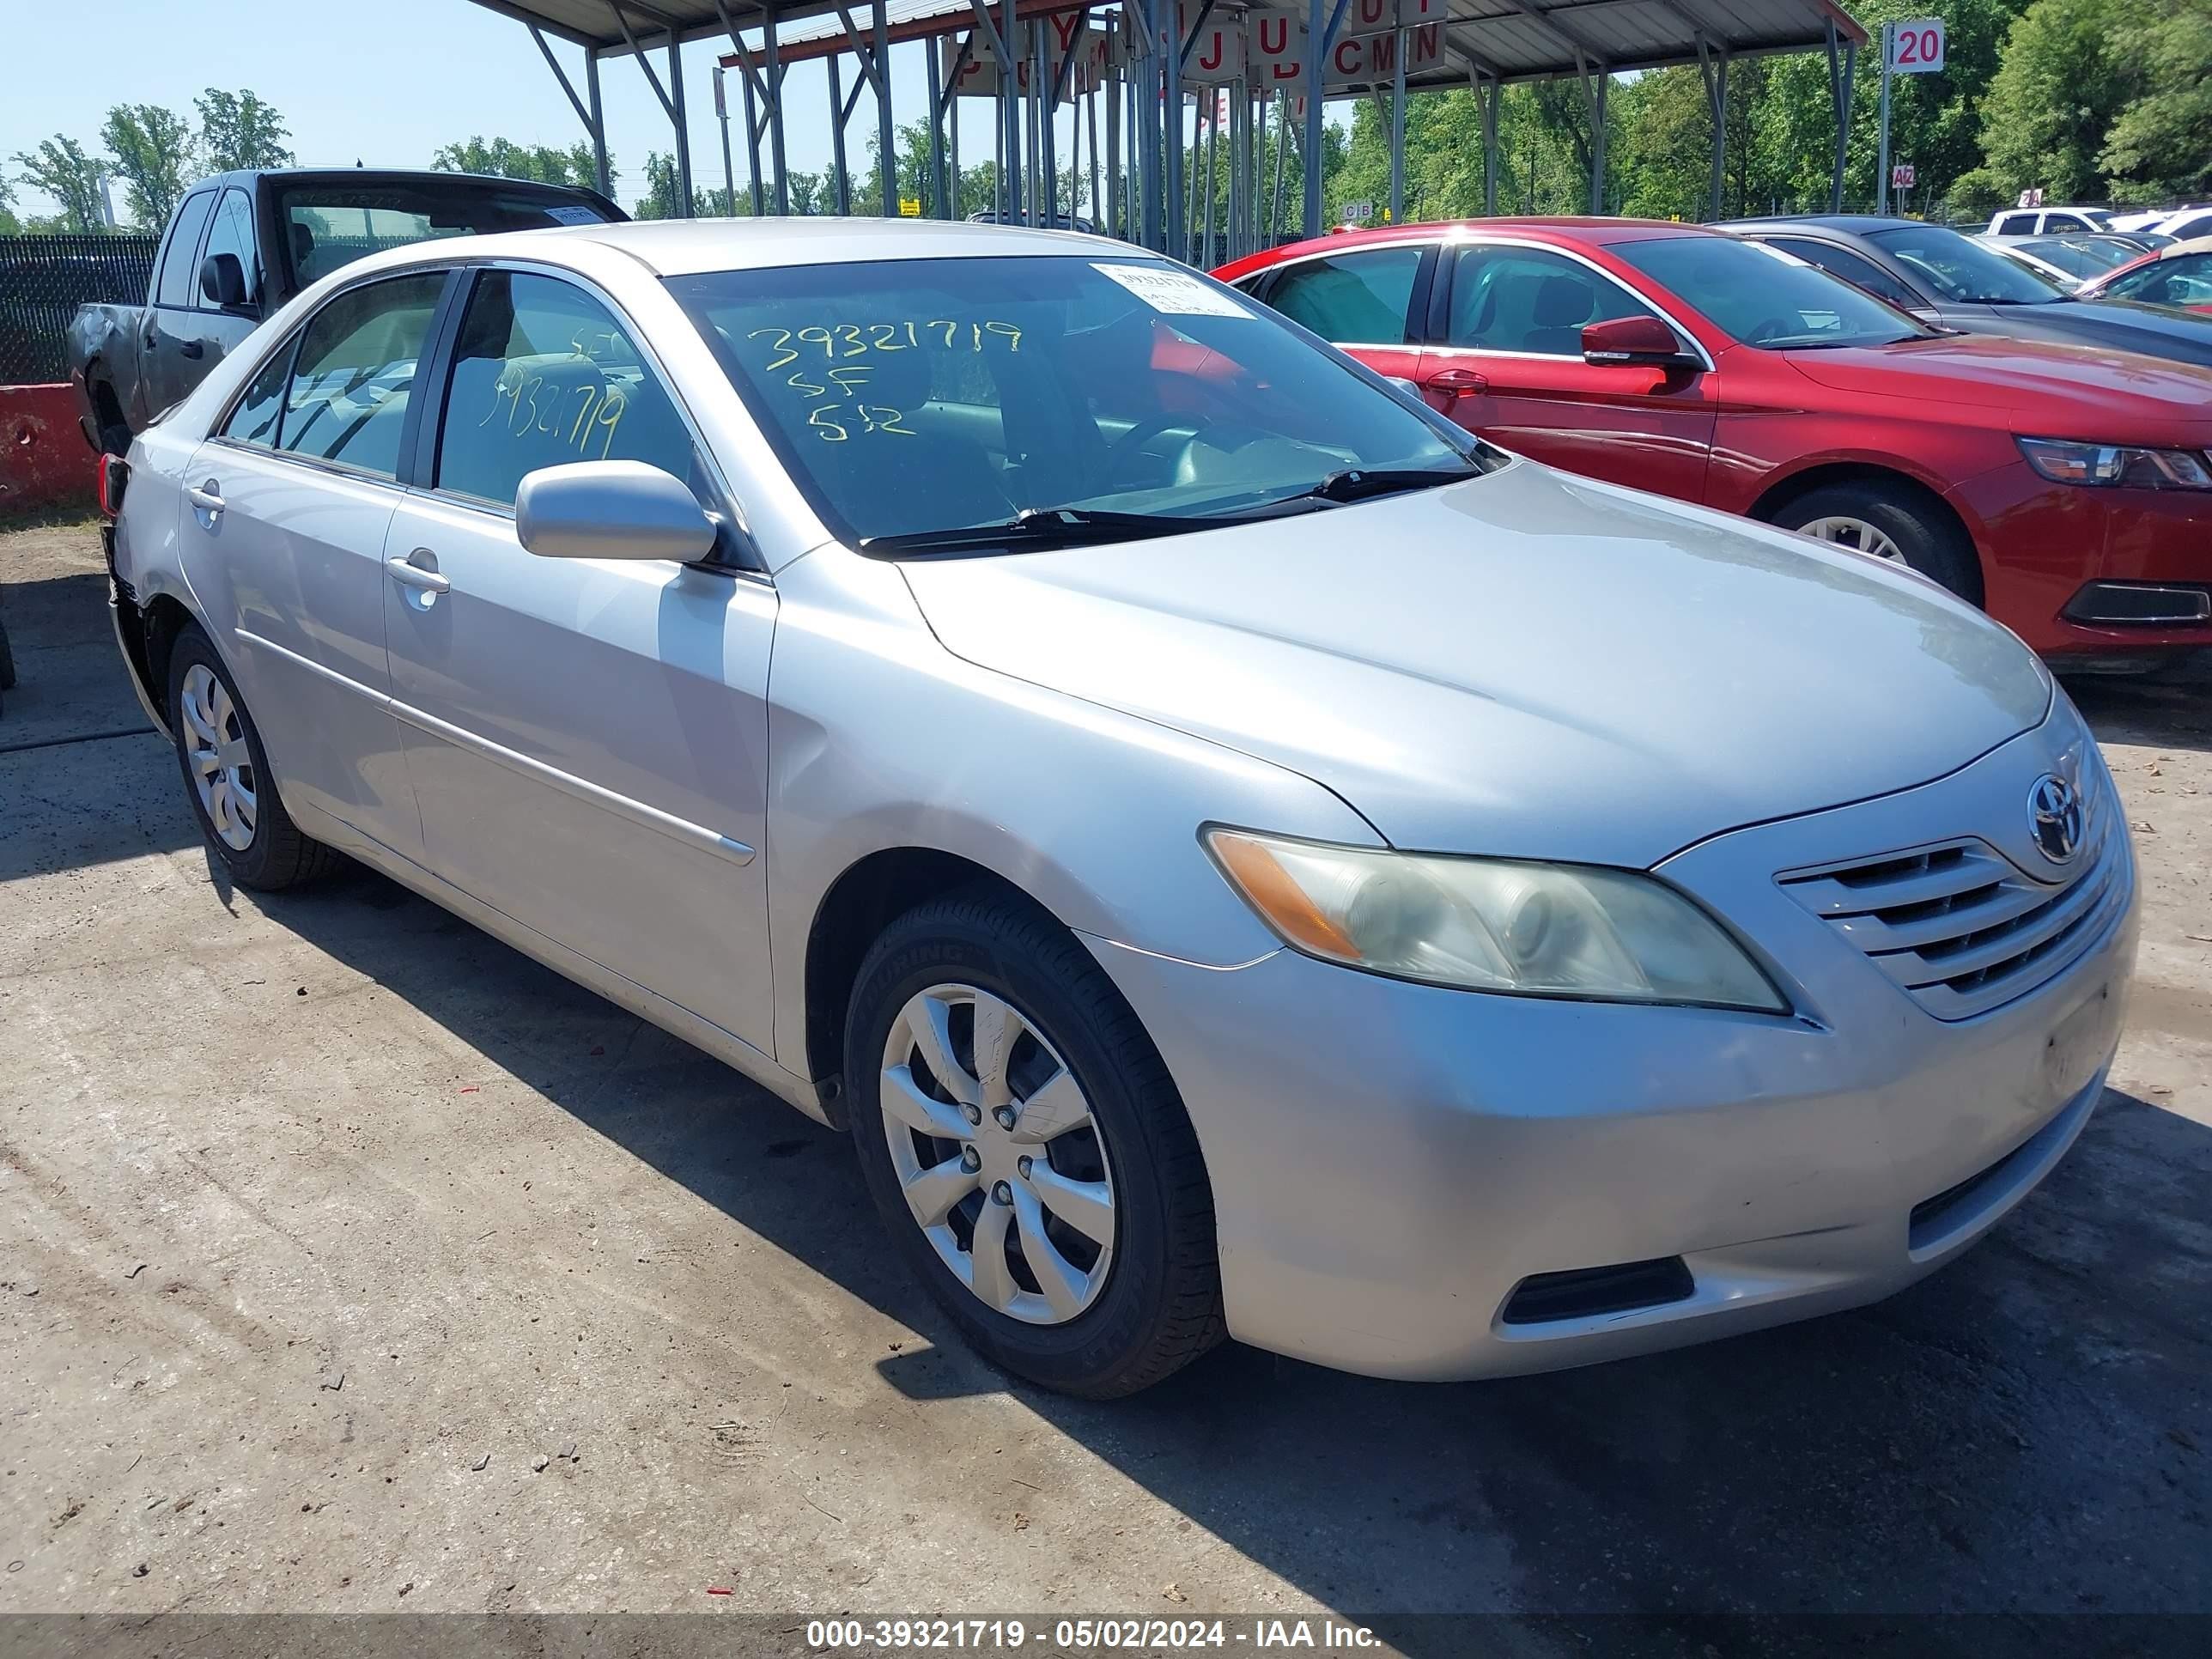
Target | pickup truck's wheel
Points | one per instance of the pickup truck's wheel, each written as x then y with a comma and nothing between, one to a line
107,415
227,774
1891,523
1029,1151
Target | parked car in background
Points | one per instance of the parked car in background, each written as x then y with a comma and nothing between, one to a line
2069,491
2048,220
1537,922
241,244
2064,281
2186,225
1944,276
2077,258
2179,276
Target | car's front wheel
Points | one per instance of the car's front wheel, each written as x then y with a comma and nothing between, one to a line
1890,522
227,774
1027,1150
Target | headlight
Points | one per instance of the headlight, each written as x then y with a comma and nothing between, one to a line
1559,930
2117,463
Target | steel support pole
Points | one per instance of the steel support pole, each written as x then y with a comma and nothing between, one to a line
1712,65
683,126
729,167
887,153
1487,91
752,149
844,196
933,198
1839,95
602,174
1178,222
774,52
1010,114
1882,147
1099,219
1398,128
1317,33
1282,151
1114,220
1597,86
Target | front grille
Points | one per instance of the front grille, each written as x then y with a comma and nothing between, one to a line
1961,928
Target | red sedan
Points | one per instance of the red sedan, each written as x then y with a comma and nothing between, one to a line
2066,489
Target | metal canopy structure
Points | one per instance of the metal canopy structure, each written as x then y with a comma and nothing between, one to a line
1242,61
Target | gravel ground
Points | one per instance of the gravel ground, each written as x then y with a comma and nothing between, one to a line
350,1261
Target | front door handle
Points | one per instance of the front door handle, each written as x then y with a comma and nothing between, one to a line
1457,382
424,579
208,497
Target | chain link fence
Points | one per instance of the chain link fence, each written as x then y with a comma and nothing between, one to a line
44,279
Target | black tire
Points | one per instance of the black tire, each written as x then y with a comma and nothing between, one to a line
107,416
7,661
1160,1306
278,855
1931,542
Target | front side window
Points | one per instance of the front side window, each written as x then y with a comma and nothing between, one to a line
232,233
1358,298
911,396
1529,301
347,400
544,374
1961,270
2015,224
1859,271
1766,297
329,225
180,283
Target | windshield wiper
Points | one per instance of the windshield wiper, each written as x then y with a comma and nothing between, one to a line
1046,527
1359,484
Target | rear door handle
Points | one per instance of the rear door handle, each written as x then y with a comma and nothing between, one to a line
193,348
408,573
1459,382
208,497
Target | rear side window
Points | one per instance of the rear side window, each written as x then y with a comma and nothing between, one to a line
2015,224
544,374
2053,222
1525,300
1854,268
254,421
329,225
1351,299
179,282
348,397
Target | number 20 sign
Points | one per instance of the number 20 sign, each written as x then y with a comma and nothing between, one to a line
1916,45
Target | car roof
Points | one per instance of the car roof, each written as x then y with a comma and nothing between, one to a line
1857,224
1582,231
683,248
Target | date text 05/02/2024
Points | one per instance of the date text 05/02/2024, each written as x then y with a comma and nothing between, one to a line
1135,1634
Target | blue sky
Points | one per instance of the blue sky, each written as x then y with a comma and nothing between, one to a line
387,83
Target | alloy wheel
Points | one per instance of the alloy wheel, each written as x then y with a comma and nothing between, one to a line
222,762
997,1153
1855,533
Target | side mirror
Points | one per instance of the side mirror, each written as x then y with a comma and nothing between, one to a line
610,510
1641,341
222,280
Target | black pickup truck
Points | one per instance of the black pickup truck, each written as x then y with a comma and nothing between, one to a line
241,244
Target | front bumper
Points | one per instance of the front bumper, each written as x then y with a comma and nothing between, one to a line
1391,1162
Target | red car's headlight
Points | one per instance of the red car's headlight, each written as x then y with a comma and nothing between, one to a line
2118,464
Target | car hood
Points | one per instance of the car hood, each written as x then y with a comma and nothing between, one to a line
2113,325
1527,664
2043,387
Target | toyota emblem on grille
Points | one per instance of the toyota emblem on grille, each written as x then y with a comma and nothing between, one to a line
2054,817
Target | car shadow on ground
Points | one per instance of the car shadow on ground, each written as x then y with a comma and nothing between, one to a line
2164,711
2027,1431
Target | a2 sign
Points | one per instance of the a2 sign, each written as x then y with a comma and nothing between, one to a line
1916,45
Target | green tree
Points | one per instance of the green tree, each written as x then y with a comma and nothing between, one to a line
9,224
237,130
2160,146
660,192
152,149
66,171
2065,75
548,164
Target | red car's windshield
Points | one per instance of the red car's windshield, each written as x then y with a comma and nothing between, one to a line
1767,298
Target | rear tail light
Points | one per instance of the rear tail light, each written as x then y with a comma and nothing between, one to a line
113,475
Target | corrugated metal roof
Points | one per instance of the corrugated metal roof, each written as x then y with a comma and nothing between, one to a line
1514,39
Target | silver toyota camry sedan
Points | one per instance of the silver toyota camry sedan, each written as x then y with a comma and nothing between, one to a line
1240,855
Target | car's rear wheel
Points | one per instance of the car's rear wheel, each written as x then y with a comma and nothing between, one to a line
227,774
1889,522
1027,1150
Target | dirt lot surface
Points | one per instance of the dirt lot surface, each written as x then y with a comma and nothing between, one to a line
349,1260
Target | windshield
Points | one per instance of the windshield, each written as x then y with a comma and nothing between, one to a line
911,396
332,225
1766,297
1963,270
